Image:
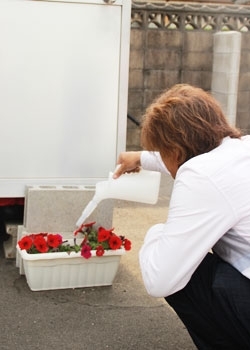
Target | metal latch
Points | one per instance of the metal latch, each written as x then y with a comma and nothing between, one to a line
109,1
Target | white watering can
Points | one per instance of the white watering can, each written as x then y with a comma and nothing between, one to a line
142,187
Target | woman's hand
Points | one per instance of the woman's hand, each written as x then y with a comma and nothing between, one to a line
128,162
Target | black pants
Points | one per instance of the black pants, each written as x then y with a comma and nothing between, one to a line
215,306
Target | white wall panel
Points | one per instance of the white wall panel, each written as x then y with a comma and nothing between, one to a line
61,106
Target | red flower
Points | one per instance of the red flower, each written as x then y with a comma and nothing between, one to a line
90,224
59,237
86,251
54,240
41,244
25,243
100,250
103,234
99,240
115,242
127,244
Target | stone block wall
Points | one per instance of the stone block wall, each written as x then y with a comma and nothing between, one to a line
243,105
173,43
57,208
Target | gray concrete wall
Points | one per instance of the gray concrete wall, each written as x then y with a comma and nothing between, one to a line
173,44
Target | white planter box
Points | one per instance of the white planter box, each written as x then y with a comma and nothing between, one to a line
62,270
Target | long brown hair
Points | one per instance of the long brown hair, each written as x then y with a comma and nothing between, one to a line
186,120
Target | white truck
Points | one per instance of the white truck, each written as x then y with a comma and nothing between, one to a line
63,90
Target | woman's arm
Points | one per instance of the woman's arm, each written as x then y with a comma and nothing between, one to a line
133,161
199,215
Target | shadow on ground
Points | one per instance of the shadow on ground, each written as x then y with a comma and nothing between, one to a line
119,317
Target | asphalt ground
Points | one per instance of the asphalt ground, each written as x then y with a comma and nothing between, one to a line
119,317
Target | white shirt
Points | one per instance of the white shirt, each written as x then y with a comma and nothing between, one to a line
209,208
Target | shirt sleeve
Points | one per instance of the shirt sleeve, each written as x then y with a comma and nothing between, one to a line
153,161
198,216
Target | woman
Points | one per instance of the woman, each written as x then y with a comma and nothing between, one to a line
199,259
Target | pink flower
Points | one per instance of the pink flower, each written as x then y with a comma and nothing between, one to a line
86,251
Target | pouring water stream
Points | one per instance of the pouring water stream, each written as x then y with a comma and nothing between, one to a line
142,187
